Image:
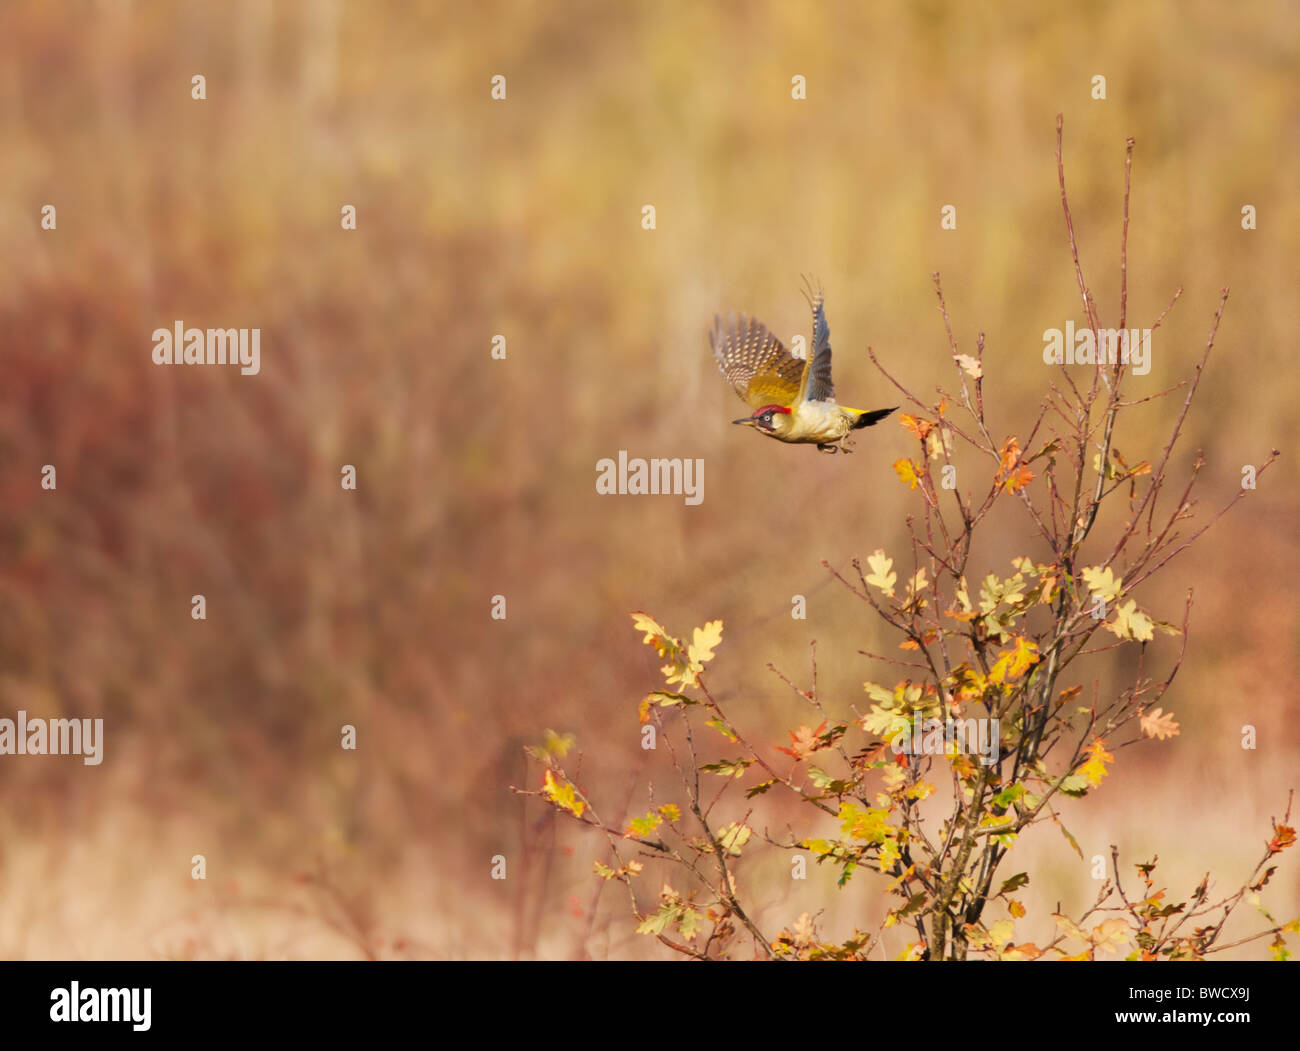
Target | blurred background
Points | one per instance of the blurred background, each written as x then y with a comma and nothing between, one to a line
476,476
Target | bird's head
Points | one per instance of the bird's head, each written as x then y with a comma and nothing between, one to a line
770,419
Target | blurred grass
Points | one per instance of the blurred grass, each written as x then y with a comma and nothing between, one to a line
477,477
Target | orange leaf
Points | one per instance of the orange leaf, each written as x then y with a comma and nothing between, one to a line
919,426
911,644
1009,455
1159,724
804,741
1018,479
1284,836
1069,694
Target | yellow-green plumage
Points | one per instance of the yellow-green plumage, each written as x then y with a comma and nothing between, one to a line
792,400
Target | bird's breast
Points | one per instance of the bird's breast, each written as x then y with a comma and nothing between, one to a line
817,421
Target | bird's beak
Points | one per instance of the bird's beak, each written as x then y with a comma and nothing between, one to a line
746,421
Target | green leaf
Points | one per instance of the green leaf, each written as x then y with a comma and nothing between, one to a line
827,783
1073,842
728,767
643,826
1075,785
1017,881
723,729
657,922
689,924
668,700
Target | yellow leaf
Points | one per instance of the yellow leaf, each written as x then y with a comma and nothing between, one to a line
907,472
1095,768
889,854
557,744
563,795
1131,623
1102,582
733,837
969,365
893,777
867,824
1013,663
885,724
706,640
880,576
1000,933
655,634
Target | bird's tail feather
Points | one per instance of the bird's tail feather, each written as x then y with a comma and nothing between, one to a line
866,419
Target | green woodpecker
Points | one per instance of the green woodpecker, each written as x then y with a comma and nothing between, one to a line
793,400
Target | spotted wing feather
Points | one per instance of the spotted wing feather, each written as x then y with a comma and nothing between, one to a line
755,362
818,386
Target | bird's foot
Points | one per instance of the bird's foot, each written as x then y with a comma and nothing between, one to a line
824,448
846,445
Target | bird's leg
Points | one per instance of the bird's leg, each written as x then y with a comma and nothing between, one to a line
846,444
825,448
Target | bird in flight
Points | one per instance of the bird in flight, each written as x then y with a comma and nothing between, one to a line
792,400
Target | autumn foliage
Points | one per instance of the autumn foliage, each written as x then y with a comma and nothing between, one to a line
890,792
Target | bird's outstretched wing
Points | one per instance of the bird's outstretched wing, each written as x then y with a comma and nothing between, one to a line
817,384
755,362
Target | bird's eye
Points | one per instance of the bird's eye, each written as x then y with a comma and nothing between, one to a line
767,417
